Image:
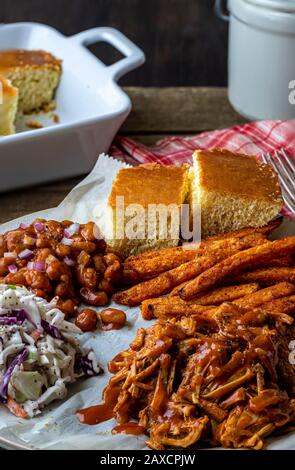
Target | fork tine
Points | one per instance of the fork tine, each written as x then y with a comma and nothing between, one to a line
289,160
284,167
282,180
263,156
268,160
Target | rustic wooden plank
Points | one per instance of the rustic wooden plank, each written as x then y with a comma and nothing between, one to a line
150,139
25,201
184,42
181,109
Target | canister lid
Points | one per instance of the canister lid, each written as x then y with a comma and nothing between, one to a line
287,6
269,15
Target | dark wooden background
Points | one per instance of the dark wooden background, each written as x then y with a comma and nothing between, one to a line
185,44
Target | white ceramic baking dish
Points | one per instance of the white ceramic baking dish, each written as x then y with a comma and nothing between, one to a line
90,105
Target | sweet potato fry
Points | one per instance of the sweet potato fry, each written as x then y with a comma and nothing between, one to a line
225,294
268,276
268,294
236,264
282,262
265,230
168,308
283,305
175,291
247,296
143,269
165,282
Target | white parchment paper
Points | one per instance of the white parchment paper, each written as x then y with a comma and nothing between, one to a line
58,427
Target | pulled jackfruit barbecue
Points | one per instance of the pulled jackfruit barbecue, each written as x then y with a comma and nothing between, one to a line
217,378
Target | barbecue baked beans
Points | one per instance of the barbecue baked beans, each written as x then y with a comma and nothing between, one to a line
60,259
87,320
112,319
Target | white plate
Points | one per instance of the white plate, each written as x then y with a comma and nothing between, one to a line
90,105
59,430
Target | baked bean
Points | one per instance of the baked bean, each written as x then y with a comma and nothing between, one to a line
89,273
41,293
37,280
99,264
113,316
20,263
4,266
89,247
86,320
2,246
43,254
42,241
61,290
101,245
91,297
54,229
106,286
87,277
62,250
84,259
65,278
16,278
88,232
55,269
66,223
29,241
113,273
110,258
69,307
14,240
5,262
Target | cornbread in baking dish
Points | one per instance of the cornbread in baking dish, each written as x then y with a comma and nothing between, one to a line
36,74
147,186
8,106
233,190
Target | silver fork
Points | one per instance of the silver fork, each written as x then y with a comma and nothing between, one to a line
285,168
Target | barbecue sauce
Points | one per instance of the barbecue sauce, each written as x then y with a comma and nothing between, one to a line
129,428
99,413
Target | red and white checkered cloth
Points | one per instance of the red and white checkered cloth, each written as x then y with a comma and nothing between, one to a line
251,139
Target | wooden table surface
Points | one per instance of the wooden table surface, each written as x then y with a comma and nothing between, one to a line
157,112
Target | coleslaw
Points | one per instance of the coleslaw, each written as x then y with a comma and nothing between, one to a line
40,352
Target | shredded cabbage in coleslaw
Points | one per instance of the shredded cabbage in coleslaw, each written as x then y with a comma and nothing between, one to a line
40,352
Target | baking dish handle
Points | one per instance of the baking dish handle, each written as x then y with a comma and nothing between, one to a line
134,56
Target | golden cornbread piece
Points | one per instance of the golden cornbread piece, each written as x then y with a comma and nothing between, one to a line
8,106
233,190
148,185
36,74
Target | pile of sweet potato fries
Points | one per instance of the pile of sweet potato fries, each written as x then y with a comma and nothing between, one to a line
214,369
239,265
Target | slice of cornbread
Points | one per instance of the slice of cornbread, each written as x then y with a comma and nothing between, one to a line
36,74
233,190
151,187
8,106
